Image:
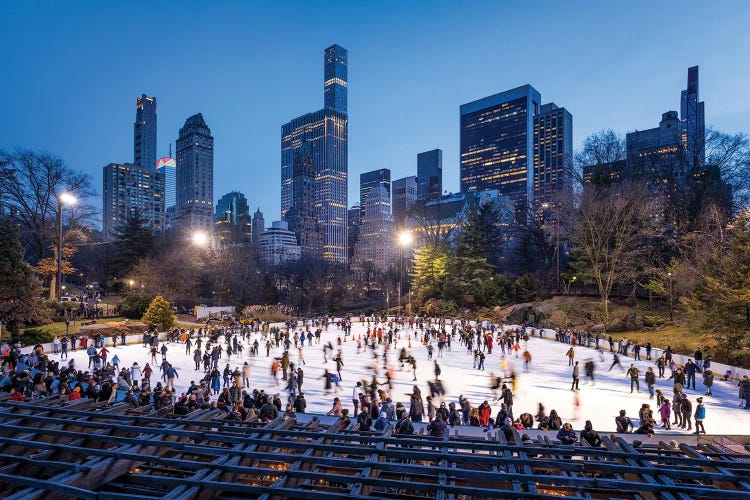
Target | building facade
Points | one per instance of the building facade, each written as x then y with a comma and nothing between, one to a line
323,135
144,132
232,218
553,154
372,179
497,145
693,122
126,188
430,174
278,245
195,175
302,216
376,243
167,167
258,226
404,199
654,154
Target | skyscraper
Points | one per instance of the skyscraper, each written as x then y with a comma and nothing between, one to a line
233,218
167,167
497,144
374,178
653,154
693,122
375,246
430,174
258,226
127,188
144,132
323,134
553,151
404,198
195,175
302,218
278,245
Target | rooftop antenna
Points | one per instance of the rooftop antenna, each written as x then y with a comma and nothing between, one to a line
170,150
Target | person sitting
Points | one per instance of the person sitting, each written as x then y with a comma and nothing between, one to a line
437,427
382,422
623,422
567,435
527,420
555,422
589,436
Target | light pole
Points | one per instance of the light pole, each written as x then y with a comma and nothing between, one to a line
62,199
404,240
669,275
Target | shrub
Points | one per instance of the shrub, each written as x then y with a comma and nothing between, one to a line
134,306
32,336
159,313
440,307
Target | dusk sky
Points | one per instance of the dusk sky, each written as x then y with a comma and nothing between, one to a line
72,72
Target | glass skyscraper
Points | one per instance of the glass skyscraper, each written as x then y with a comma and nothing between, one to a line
553,151
167,167
497,144
195,175
373,179
144,132
430,174
693,121
323,136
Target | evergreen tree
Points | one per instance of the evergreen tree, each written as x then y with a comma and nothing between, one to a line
430,271
159,313
134,240
20,302
481,236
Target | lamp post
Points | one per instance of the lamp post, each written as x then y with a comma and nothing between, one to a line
669,275
404,240
62,199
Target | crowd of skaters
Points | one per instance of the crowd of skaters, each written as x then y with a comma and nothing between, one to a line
228,389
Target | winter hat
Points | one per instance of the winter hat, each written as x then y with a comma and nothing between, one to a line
700,400
508,421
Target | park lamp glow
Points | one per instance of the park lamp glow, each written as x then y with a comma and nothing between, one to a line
200,238
67,199
405,239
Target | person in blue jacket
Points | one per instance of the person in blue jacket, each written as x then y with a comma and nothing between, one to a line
567,435
700,415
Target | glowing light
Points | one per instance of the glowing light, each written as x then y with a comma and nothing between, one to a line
200,238
405,239
67,199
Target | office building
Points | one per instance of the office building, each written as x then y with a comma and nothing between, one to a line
144,132
167,167
323,136
232,219
195,175
278,245
258,226
302,216
404,198
655,153
128,188
354,216
375,246
693,122
497,145
374,178
553,154
430,174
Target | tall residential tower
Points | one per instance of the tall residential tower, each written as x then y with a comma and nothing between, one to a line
195,175
323,135
144,132
430,174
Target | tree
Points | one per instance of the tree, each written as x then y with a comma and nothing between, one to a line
134,240
599,151
481,236
159,313
30,183
430,271
606,223
20,302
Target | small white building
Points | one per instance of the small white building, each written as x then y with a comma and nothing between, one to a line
278,245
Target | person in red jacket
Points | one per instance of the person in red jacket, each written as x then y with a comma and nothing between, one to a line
76,394
484,414
16,396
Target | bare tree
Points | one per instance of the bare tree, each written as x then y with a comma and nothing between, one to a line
29,185
606,224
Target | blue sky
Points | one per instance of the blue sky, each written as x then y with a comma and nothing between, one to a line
71,72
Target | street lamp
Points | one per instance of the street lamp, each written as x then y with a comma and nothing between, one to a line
62,199
404,240
200,238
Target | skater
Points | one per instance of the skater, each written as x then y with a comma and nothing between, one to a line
615,361
708,381
623,422
650,379
633,373
700,415
574,385
570,355
686,407
666,412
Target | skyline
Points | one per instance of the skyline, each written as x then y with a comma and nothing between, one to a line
395,109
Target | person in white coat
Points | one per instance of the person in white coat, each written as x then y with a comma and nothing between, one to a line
135,374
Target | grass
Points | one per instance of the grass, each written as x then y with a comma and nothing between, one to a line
683,338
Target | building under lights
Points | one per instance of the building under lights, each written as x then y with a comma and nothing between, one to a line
144,132
375,247
278,245
323,136
195,175
127,188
